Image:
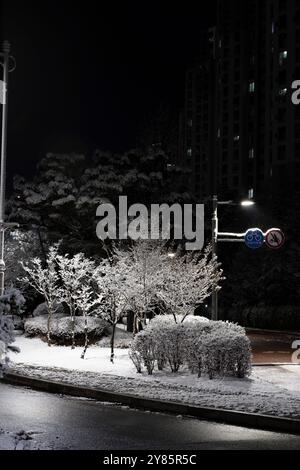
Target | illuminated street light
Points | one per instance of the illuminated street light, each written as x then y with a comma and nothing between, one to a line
247,203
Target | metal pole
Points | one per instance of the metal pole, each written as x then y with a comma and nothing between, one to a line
6,51
214,305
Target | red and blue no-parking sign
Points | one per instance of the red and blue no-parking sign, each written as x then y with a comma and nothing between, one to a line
275,238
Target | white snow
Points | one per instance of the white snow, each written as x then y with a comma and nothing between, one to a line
21,440
270,390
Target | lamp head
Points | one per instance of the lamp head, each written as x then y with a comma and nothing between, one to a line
247,203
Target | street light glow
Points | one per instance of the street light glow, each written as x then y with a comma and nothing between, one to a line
247,203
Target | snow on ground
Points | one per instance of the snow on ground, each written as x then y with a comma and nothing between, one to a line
269,390
21,440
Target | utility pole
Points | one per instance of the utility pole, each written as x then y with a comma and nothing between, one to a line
5,55
214,242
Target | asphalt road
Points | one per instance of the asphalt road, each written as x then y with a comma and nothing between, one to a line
37,420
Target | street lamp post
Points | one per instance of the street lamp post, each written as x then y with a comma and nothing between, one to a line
5,55
226,237
214,243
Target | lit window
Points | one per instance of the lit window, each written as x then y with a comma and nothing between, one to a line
273,28
252,87
219,133
282,57
236,138
251,154
251,193
189,152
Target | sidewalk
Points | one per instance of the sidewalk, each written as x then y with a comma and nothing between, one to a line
270,390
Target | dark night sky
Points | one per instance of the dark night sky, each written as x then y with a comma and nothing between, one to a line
87,74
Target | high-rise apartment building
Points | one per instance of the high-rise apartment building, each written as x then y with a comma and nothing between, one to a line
241,130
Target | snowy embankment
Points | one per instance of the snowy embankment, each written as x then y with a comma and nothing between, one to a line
269,390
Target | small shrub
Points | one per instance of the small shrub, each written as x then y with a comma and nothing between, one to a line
136,359
61,329
144,345
15,301
226,351
42,309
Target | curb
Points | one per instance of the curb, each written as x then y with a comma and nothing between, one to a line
238,418
274,364
280,332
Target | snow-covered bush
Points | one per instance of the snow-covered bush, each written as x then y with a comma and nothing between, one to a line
123,339
226,350
195,332
169,341
144,347
62,329
13,304
15,300
136,359
172,339
214,348
42,309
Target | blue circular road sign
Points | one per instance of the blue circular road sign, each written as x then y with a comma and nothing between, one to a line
254,238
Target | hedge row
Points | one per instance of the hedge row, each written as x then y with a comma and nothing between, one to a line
206,347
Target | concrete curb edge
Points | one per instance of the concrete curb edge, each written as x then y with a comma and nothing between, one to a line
238,418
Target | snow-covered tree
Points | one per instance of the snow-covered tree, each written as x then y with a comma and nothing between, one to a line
187,281
19,246
48,201
74,272
115,290
6,333
60,201
45,280
14,300
86,301
143,267
177,283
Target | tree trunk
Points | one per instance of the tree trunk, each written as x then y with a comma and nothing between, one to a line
130,322
86,340
112,343
42,246
49,325
138,326
73,331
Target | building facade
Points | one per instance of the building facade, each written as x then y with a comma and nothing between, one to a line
241,130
